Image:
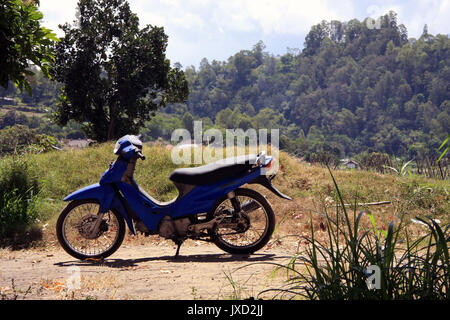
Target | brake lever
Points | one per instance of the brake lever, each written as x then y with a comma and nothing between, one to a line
140,155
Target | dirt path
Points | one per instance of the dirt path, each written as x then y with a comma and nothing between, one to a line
202,271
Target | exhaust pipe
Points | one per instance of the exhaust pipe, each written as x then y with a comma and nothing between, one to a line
249,206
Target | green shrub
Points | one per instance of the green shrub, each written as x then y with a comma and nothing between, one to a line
13,139
21,139
42,143
19,196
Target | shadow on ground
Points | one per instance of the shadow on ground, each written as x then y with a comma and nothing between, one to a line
206,258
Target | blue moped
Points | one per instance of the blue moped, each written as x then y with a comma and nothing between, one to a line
211,206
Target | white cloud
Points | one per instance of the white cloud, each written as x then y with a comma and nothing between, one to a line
436,14
216,29
168,13
187,21
57,12
279,17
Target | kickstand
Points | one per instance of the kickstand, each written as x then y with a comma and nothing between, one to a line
179,243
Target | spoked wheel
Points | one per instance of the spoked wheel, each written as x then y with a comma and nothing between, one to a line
75,232
246,231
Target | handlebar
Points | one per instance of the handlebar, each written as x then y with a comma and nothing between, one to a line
140,155
132,152
261,158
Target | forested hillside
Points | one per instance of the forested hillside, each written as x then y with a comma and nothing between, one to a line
350,89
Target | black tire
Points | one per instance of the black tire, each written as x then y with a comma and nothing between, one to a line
262,241
60,231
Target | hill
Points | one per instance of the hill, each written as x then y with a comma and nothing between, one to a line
351,89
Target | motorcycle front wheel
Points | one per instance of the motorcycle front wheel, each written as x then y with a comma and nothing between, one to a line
74,227
246,232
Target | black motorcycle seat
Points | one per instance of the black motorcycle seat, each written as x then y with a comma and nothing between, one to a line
213,171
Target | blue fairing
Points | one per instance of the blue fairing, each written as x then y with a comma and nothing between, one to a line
115,172
198,200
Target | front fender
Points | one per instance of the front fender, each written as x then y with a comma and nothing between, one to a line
106,197
103,193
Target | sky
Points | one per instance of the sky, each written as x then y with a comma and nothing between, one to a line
217,29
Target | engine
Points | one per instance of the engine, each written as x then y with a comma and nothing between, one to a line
173,229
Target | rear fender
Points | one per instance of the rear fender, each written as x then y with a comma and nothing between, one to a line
265,181
106,197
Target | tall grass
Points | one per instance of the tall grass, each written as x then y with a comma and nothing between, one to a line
338,268
19,195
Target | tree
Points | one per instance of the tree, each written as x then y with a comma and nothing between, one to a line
314,38
23,41
188,122
114,74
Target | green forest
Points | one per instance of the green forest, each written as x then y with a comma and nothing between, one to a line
350,89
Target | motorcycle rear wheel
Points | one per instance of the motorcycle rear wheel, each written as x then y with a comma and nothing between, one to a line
74,239
258,232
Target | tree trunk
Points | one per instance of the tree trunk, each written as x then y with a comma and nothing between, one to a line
111,124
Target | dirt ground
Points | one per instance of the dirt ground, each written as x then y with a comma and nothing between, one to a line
142,271
145,267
